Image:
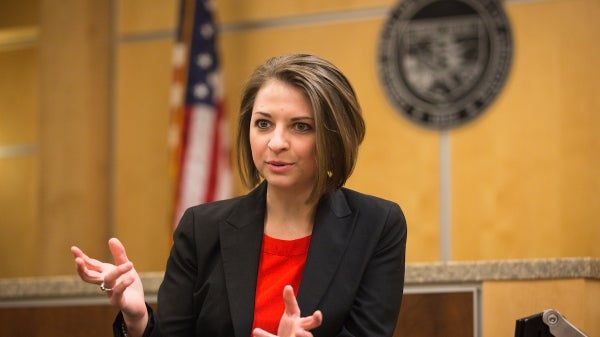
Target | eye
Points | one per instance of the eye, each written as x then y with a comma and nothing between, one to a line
302,127
262,123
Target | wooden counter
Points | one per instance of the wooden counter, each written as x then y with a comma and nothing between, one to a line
461,299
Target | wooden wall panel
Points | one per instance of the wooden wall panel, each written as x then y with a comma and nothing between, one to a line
244,11
19,13
422,315
93,320
142,196
525,175
509,173
49,198
143,17
18,172
18,215
18,96
592,309
436,315
504,302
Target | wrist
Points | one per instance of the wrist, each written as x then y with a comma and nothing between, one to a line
134,326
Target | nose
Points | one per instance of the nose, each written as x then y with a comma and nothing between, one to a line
278,141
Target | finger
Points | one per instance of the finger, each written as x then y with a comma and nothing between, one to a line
89,270
289,300
312,321
118,251
90,263
110,279
122,285
81,266
258,332
86,274
76,251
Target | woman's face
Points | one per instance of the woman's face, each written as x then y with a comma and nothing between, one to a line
282,137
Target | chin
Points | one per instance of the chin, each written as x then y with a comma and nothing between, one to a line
285,184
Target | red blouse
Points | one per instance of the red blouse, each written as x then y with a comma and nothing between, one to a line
281,263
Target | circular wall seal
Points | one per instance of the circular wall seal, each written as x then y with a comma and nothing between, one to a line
442,62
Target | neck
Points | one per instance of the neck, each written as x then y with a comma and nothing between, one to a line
288,216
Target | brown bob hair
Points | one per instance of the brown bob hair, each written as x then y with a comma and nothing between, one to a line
340,127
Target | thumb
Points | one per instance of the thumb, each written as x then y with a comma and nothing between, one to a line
260,333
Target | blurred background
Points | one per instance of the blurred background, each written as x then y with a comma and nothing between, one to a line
85,114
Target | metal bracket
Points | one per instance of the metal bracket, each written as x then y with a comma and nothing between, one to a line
559,326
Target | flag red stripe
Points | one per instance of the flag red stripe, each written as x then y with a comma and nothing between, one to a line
213,176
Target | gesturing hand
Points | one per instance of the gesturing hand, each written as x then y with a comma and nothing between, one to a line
123,284
291,324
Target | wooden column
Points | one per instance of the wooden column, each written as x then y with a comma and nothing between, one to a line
75,76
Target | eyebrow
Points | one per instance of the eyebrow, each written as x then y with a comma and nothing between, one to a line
294,119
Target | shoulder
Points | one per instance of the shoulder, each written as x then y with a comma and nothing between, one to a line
359,200
373,210
218,208
231,210
378,218
204,218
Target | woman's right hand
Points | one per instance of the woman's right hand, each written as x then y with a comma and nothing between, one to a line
291,323
125,290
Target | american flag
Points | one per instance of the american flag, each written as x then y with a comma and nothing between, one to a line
199,136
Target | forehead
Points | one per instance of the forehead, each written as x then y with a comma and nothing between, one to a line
275,84
279,95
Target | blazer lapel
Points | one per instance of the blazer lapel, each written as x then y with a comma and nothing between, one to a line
334,223
241,239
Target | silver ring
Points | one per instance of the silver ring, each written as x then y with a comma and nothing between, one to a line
103,288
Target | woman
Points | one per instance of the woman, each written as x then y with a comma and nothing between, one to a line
336,255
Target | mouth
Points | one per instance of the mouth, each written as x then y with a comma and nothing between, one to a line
278,163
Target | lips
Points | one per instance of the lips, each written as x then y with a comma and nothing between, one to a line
278,166
277,163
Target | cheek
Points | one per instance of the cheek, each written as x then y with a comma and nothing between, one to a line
255,148
309,151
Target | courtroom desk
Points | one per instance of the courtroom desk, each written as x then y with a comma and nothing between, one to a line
506,290
454,299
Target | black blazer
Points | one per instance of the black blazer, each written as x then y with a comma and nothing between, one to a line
354,271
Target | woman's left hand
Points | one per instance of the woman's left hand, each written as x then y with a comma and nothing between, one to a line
291,324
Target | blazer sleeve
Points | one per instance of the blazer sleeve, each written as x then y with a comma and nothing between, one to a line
175,313
377,303
119,329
